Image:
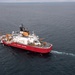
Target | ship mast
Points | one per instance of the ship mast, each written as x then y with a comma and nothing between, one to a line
22,28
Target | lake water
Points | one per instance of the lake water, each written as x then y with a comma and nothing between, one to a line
55,22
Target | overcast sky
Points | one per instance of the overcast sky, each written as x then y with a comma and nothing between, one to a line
37,0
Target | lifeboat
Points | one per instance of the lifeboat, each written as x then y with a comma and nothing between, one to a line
26,41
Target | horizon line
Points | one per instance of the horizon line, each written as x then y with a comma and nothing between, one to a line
39,2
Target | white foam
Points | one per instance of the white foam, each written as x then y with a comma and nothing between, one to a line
62,53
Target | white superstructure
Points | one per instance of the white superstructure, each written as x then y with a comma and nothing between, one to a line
30,39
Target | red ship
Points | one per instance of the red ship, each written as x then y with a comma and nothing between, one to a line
26,41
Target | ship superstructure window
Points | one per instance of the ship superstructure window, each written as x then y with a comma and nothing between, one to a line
36,41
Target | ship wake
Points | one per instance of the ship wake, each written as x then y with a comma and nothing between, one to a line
62,53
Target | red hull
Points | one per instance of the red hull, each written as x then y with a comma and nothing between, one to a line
30,48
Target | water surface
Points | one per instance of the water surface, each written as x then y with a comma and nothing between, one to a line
53,21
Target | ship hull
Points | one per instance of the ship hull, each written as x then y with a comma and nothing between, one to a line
43,50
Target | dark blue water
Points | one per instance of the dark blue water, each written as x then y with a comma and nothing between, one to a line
53,21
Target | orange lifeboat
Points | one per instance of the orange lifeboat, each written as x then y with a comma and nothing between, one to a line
25,34
8,37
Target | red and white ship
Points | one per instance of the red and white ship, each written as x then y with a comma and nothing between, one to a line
26,41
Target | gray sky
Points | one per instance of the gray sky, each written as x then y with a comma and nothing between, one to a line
37,0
